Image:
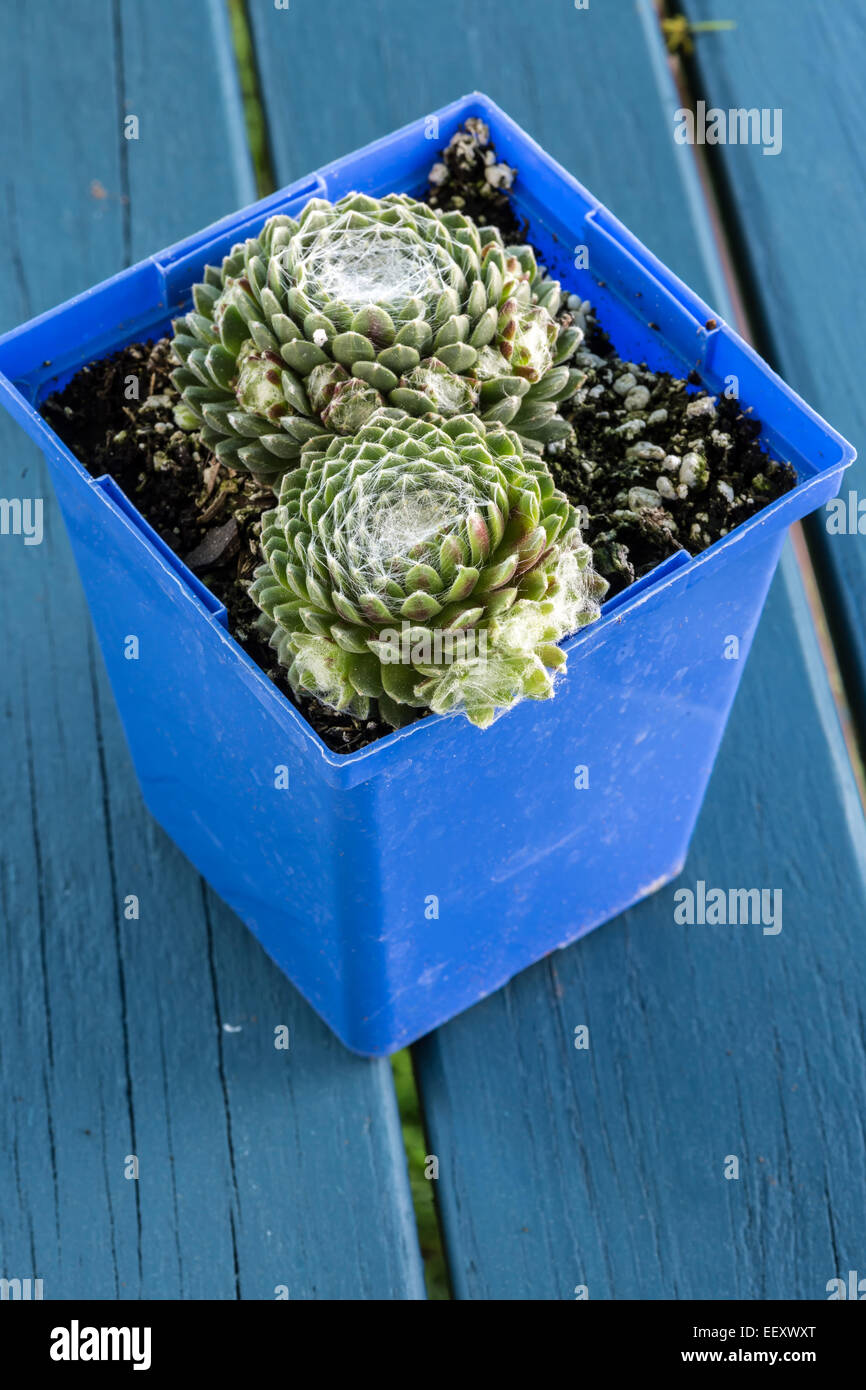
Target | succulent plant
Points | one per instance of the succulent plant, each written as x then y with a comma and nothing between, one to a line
422,564
316,323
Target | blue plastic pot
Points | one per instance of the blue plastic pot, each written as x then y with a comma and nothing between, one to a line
398,885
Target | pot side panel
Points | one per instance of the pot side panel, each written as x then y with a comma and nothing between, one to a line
506,844
397,902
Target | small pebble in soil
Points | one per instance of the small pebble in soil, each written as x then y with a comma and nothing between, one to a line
469,178
649,450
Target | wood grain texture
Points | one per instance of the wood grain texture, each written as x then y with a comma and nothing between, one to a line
551,67
801,221
154,1037
604,1167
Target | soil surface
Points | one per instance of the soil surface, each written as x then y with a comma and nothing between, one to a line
655,468
679,471
469,178
208,514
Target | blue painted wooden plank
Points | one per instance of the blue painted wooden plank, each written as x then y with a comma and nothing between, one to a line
259,1167
801,215
335,76
605,1167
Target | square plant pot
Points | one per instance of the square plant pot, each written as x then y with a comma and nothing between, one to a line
400,884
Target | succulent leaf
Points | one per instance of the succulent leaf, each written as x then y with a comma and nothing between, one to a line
373,300
434,564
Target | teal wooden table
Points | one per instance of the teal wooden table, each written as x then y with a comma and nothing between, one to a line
264,1173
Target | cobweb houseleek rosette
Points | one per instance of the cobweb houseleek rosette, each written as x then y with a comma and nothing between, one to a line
422,564
316,323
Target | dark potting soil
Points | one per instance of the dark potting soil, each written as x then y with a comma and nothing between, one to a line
679,471
469,178
208,514
655,468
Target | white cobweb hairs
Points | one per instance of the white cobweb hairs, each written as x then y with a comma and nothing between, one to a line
387,520
534,340
375,264
495,675
390,519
